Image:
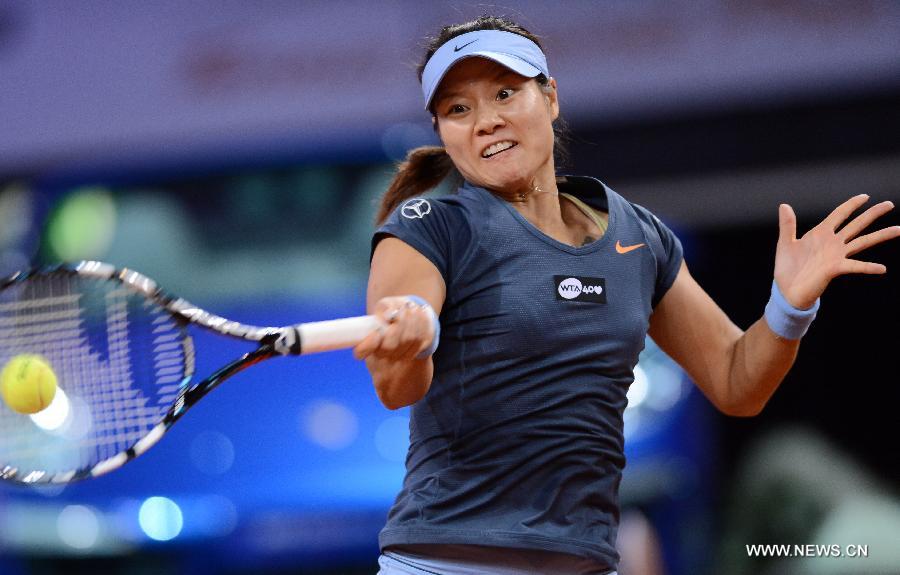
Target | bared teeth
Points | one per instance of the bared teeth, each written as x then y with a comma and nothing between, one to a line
497,148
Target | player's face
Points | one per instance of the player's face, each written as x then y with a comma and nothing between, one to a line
496,125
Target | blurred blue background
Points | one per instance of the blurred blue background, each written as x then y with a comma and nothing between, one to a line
234,152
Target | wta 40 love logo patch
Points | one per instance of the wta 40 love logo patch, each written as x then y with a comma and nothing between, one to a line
580,288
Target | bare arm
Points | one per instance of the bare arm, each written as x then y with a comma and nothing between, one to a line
397,270
739,371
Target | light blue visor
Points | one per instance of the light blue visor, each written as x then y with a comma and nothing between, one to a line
517,53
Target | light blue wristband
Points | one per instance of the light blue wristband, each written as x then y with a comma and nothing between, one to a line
784,319
435,325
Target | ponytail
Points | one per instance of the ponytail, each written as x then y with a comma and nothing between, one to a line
423,169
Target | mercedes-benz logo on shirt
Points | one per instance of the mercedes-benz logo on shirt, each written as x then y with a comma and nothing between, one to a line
416,209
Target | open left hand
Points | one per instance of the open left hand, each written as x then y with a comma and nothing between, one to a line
805,266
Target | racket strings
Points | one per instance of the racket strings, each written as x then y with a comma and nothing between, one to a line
120,359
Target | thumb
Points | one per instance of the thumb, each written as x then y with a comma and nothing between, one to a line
367,347
787,224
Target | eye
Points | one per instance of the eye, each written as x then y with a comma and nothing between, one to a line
455,109
504,93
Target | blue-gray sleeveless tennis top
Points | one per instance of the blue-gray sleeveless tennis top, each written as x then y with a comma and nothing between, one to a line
518,442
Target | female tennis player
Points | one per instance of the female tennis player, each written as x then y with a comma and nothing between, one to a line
545,287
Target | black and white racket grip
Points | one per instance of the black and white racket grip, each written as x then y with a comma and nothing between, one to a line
318,336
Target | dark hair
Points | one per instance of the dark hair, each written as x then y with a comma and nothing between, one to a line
426,167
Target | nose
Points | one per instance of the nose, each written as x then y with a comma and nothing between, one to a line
488,119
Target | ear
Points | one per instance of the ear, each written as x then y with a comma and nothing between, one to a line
552,97
436,126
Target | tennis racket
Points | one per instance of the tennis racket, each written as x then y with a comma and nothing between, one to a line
124,362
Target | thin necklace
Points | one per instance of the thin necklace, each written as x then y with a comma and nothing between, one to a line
534,189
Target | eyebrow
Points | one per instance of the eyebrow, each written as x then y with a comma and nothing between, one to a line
500,74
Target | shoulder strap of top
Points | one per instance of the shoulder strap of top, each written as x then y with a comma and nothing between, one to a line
588,211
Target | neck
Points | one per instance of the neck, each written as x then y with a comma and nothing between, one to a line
560,219
539,202
536,191
536,198
541,185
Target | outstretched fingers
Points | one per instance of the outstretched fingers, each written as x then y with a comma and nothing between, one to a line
863,242
843,211
858,267
863,220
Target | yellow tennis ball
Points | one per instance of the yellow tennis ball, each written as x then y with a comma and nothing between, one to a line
27,383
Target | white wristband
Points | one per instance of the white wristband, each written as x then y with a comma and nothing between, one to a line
786,320
435,326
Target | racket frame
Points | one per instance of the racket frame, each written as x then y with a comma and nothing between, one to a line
271,341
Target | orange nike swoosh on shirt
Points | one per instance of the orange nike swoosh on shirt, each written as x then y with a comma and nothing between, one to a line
625,249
